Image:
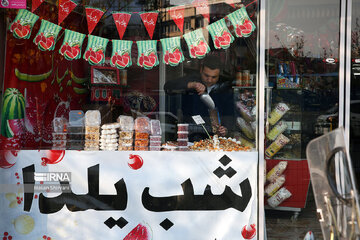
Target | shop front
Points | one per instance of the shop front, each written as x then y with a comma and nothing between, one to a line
166,119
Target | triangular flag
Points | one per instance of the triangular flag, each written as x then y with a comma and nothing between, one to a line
241,22
93,16
197,44
147,54
220,34
149,19
35,4
95,50
65,8
121,54
202,7
230,2
23,24
46,37
177,14
121,21
172,51
71,47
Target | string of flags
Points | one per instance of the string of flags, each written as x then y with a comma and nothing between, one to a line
94,54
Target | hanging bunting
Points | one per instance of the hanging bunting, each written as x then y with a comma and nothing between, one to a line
95,49
230,2
220,34
121,54
197,44
202,7
71,47
93,16
22,25
147,54
46,37
242,23
35,4
65,8
121,21
177,14
149,19
172,51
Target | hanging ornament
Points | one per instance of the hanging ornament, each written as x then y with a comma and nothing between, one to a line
121,21
202,7
121,54
22,25
71,47
46,37
220,34
95,50
35,4
147,54
177,14
172,51
65,8
149,19
197,44
93,16
242,23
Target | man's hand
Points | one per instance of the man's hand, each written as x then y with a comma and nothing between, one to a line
199,87
222,131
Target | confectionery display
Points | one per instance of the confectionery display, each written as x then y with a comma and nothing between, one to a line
224,144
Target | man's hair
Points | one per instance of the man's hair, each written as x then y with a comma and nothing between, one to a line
212,62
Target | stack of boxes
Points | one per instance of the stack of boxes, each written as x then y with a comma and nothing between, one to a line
92,130
126,133
75,130
59,134
142,130
183,133
155,137
109,136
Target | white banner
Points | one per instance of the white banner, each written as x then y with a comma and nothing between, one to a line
124,195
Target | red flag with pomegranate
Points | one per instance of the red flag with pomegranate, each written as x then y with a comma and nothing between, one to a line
93,16
149,19
202,7
121,21
177,14
35,4
65,8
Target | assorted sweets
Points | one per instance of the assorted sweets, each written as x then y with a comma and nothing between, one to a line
85,132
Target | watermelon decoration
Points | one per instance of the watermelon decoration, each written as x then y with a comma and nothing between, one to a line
13,108
71,47
121,54
22,25
197,44
147,57
95,49
46,37
172,51
220,34
241,22
141,232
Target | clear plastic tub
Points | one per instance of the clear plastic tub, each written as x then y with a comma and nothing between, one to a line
92,118
139,148
155,148
76,118
126,134
125,147
59,136
141,135
155,138
142,124
59,124
126,123
155,143
141,142
183,127
182,135
155,127
183,142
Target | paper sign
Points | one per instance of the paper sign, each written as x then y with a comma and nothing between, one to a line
18,4
198,119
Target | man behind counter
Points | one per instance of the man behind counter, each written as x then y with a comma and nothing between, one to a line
206,81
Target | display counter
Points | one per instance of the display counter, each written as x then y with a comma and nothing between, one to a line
58,194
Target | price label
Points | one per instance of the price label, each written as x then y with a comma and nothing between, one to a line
198,119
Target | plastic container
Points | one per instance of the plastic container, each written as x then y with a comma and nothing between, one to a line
59,136
142,124
92,118
59,125
155,148
125,147
125,141
126,134
75,130
76,118
141,142
155,138
182,135
182,148
111,126
141,135
183,142
92,129
155,127
126,123
155,143
183,127
140,148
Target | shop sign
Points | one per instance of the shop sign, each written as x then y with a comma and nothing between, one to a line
124,195
18,4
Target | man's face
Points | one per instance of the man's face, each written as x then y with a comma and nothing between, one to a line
209,76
